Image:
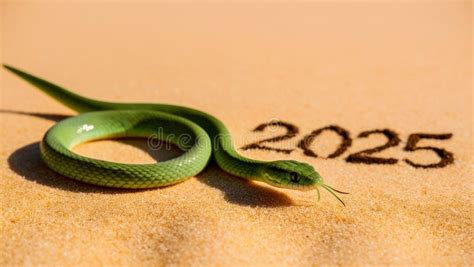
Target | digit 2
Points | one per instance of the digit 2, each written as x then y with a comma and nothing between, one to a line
363,156
291,131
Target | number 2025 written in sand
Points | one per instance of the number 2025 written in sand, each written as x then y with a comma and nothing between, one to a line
365,156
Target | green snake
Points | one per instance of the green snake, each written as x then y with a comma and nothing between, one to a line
207,138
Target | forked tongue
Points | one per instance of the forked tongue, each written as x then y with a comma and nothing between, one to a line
332,191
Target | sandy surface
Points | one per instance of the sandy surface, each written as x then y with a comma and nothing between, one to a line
404,67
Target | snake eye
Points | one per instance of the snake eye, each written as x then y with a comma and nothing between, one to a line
294,177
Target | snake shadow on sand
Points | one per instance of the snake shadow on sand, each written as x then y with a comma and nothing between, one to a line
27,163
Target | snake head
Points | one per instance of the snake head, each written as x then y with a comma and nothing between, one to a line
291,174
295,175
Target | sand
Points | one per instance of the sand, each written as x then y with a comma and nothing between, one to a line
406,67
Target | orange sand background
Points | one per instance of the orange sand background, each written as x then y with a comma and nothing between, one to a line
362,66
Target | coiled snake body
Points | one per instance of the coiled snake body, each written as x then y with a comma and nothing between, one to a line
209,138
